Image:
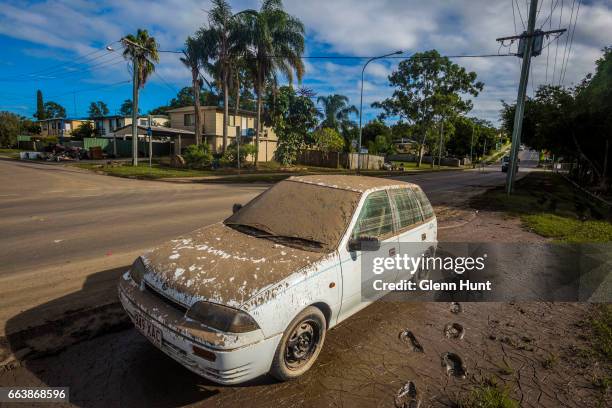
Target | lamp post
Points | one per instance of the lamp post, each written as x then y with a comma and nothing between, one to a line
361,102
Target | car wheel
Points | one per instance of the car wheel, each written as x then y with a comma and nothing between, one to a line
300,346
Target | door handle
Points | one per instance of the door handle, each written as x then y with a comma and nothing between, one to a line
423,237
392,252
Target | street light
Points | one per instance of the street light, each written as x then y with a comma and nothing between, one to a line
361,101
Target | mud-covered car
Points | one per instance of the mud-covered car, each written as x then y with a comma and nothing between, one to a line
256,293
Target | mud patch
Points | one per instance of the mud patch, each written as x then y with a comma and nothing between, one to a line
454,331
407,396
409,338
454,365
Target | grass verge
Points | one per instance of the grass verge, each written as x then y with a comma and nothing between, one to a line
551,207
11,153
488,395
266,172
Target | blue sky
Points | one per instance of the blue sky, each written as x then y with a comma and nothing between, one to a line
58,46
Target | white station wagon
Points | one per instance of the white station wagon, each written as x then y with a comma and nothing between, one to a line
256,293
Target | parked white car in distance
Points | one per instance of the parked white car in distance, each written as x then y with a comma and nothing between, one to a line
257,293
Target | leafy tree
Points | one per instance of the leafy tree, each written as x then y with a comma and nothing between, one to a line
40,106
271,32
336,110
292,116
9,128
97,109
141,48
126,108
328,140
373,129
84,130
198,156
428,87
471,136
54,110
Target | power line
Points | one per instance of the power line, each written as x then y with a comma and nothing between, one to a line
520,15
571,42
566,41
557,48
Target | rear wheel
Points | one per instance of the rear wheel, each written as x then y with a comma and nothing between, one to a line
300,346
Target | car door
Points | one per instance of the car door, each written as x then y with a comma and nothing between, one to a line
375,219
417,228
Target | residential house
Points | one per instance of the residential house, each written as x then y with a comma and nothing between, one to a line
107,125
212,128
59,126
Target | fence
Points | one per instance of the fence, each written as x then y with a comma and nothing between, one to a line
339,159
124,147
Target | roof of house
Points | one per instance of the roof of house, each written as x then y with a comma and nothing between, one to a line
217,108
64,119
351,182
164,131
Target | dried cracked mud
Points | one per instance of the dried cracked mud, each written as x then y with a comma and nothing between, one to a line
363,363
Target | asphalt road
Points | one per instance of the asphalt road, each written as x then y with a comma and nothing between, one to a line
61,225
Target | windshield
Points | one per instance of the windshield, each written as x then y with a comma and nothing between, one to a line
298,211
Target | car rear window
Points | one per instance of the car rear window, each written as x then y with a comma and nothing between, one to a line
428,211
408,208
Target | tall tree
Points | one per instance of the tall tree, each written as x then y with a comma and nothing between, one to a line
54,110
97,109
40,106
141,49
292,115
336,110
429,87
192,58
219,37
126,108
276,45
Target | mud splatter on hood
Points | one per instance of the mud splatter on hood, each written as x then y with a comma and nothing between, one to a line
222,265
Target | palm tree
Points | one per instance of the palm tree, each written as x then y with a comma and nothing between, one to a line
275,45
219,35
141,49
192,59
336,110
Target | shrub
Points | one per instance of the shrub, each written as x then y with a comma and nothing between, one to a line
229,157
328,140
197,157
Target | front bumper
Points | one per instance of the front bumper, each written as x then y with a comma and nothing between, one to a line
237,357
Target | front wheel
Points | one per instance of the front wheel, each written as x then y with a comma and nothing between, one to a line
300,346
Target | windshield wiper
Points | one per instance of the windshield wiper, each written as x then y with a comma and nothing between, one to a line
250,229
305,241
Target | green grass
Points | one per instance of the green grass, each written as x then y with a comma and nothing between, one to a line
143,171
601,326
488,395
12,153
551,207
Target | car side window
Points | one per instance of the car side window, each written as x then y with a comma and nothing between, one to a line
408,208
375,218
428,211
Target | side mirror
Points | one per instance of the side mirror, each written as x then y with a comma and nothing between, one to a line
236,207
364,244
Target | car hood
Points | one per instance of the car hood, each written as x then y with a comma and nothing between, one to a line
221,265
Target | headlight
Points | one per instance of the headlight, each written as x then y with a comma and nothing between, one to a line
137,270
223,318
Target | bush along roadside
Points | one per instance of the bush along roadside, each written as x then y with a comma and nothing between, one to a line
551,207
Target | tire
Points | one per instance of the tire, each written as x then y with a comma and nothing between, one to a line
307,333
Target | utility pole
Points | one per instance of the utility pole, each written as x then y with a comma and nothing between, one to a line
472,146
135,112
441,138
530,45
361,102
150,134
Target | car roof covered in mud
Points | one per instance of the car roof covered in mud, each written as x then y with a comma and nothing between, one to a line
359,184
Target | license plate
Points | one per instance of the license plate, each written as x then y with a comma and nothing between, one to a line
146,328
